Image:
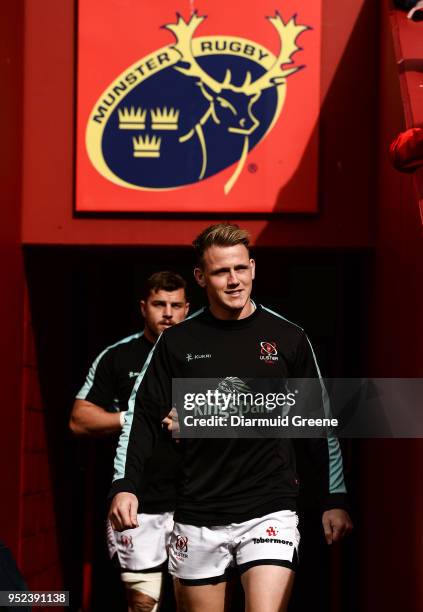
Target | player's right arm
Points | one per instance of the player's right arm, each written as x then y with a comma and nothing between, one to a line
123,511
148,406
88,419
94,412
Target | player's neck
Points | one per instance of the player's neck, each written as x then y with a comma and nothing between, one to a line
227,314
148,335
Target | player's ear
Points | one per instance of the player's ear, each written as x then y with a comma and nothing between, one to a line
253,268
199,277
142,307
186,308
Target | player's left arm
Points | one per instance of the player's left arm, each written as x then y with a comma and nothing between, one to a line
94,412
324,455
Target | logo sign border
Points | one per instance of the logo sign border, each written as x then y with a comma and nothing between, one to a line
85,207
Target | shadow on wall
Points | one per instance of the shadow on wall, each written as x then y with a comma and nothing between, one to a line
347,173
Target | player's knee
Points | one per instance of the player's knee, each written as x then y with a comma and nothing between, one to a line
141,602
143,590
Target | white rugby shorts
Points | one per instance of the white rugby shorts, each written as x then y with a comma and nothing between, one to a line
144,547
201,555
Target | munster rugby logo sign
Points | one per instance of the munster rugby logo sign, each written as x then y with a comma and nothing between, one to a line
189,110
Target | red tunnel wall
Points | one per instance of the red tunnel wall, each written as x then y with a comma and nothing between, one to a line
390,474
26,512
11,272
38,556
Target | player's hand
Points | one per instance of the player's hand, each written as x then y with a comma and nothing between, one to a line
172,421
123,511
336,524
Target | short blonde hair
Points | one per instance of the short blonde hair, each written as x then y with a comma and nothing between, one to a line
221,234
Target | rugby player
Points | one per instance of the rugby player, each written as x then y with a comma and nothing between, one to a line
100,408
236,504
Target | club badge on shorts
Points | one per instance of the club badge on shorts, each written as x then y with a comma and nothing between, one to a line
181,547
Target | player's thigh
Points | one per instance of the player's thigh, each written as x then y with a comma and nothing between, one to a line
202,598
267,588
272,539
200,561
199,556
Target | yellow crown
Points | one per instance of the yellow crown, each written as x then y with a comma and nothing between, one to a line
146,146
131,118
164,119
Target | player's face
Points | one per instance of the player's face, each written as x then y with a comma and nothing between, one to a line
163,309
227,275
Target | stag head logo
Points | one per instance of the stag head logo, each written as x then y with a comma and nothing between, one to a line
191,109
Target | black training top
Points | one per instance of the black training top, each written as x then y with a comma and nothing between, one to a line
109,384
226,480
